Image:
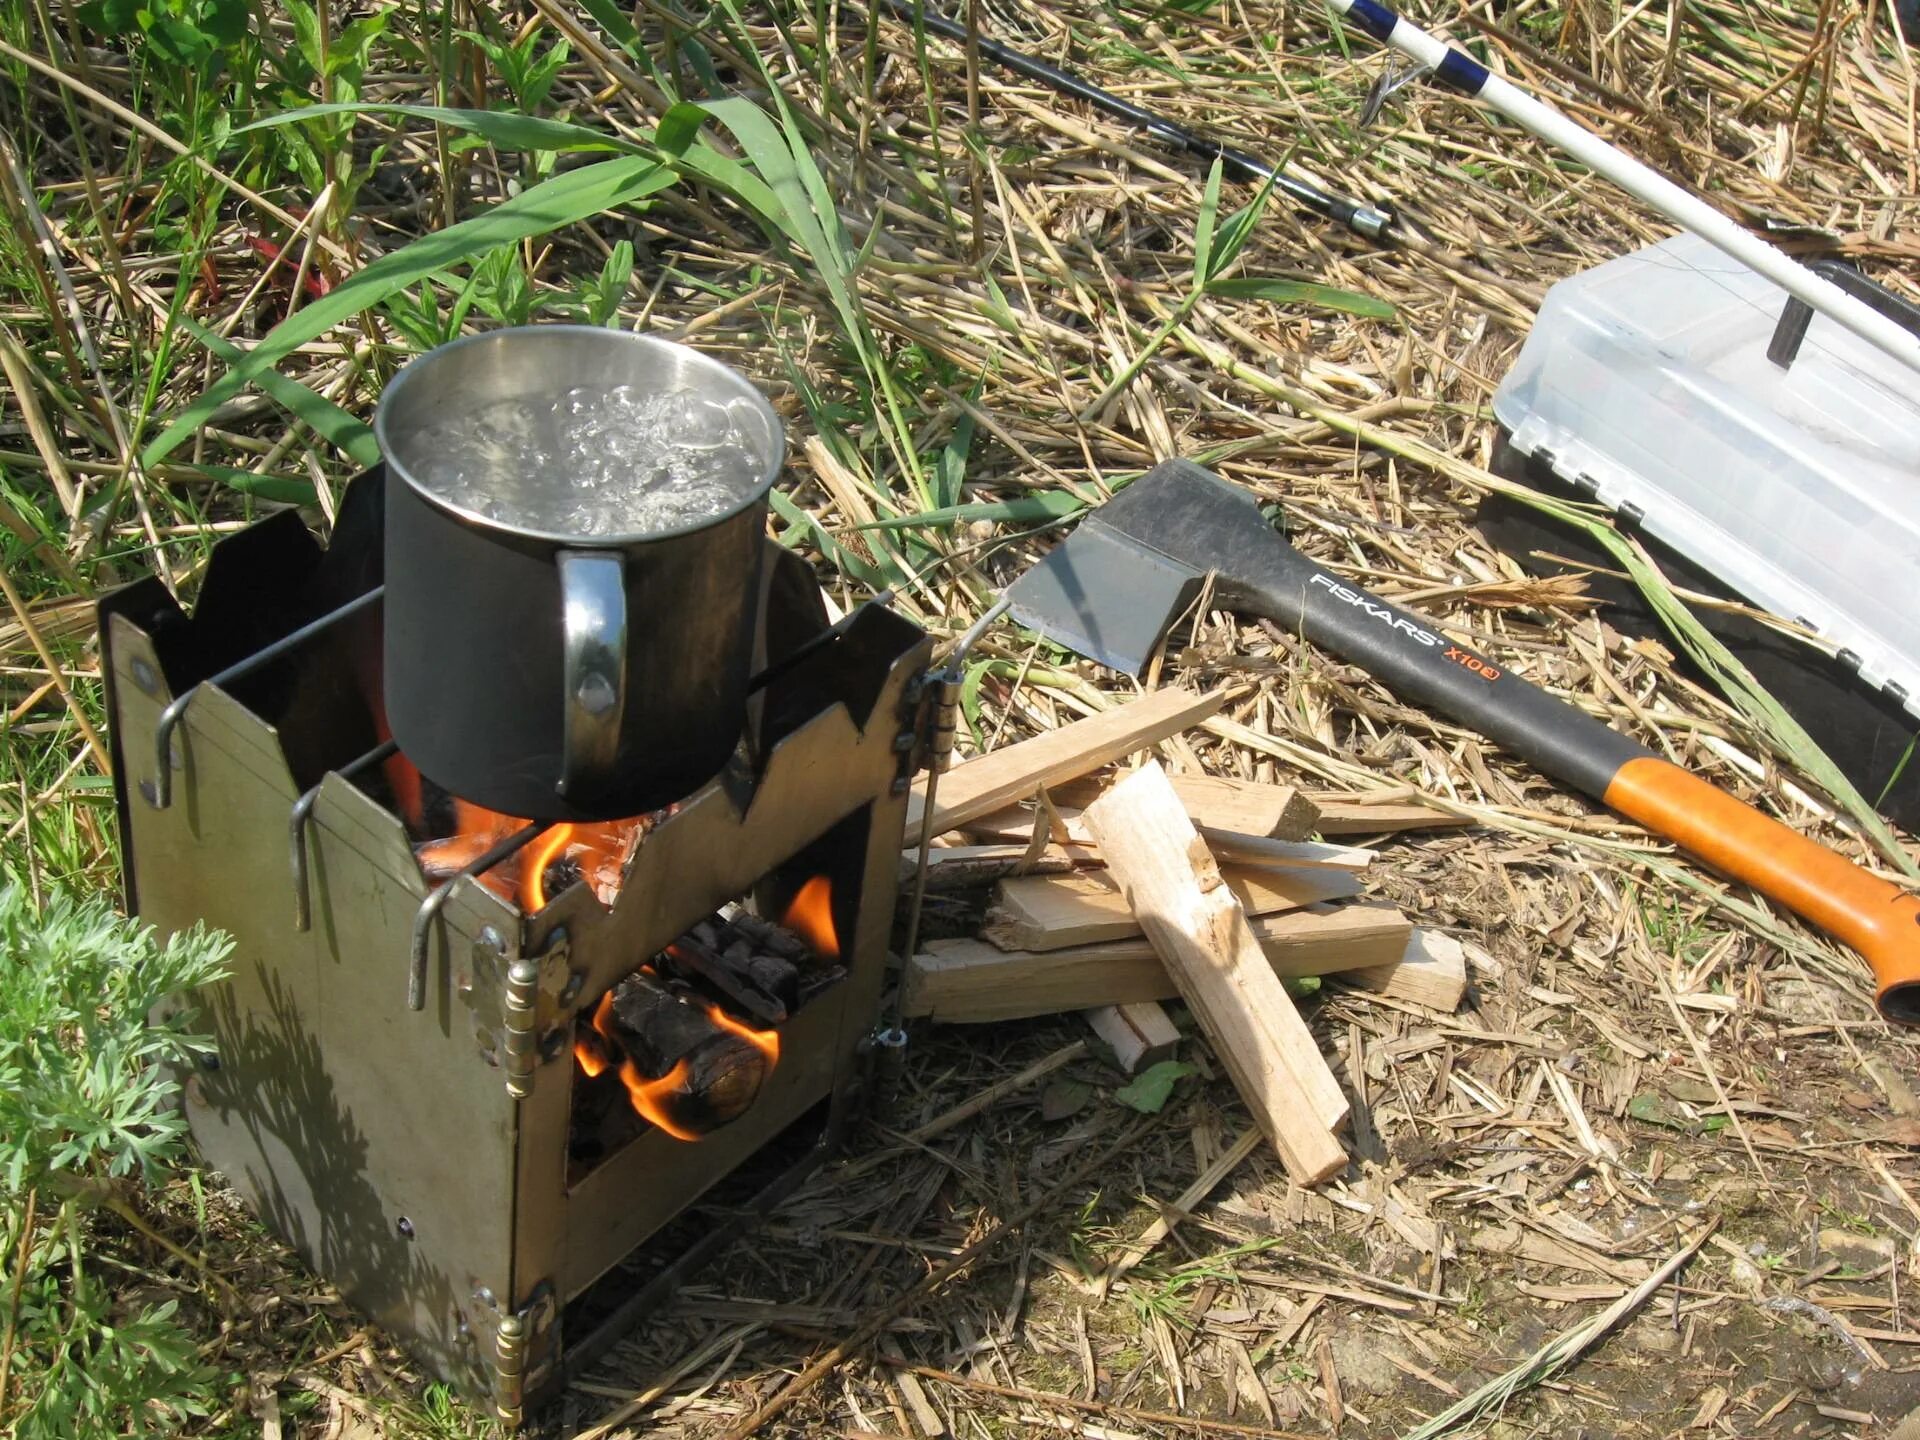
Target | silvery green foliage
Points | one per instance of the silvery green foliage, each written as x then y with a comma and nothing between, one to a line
87,1098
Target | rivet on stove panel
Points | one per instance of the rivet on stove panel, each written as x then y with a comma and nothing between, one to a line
209,1060
493,939
900,785
576,980
405,1227
144,677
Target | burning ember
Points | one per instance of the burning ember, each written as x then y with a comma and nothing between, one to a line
687,1062
596,853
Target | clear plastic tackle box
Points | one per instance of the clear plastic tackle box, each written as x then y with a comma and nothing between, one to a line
1679,388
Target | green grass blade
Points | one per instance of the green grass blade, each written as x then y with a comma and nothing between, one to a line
950,470
812,221
616,22
279,489
565,199
501,128
1203,227
347,433
839,555
1238,229
1900,769
1026,510
1302,292
677,135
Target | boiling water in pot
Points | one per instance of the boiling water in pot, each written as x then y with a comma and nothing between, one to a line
594,461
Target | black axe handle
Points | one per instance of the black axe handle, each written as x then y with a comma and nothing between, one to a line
1875,917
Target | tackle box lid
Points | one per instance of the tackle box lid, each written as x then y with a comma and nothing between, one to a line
1647,383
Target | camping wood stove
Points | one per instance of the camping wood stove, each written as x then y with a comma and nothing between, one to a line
400,1082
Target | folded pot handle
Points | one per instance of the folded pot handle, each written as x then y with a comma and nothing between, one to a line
593,599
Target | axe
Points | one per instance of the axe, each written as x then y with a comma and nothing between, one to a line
1114,586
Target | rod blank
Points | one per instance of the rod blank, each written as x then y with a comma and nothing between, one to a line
1360,218
1462,72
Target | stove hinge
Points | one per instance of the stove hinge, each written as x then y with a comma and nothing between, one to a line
519,1350
520,1004
931,714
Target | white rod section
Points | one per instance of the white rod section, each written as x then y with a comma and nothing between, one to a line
1463,73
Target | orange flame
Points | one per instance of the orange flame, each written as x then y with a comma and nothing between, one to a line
649,1096
810,916
591,1054
543,852
597,1048
767,1042
602,851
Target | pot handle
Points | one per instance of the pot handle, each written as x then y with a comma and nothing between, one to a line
593,599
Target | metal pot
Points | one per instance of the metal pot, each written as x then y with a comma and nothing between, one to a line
558,676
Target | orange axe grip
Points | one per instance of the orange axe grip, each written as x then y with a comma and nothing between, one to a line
1875,917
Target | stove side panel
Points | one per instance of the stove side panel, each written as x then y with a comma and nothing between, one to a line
372,1139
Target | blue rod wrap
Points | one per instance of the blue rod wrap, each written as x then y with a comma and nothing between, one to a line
1374,18
1458,71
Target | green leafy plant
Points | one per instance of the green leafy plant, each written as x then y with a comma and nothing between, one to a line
1216,245
336,63
181,32
1149,1091
527,71
92,1017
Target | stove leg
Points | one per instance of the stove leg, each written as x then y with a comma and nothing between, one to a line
886,1071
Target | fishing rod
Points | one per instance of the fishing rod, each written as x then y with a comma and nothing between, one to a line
1362,219
1460,71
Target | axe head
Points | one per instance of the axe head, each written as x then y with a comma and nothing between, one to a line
1110,590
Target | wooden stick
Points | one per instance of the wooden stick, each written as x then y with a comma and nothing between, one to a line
989,782
1433,972
973,981
1212,954
1217,802
1014,824
1343,814
1139,1034
1053,912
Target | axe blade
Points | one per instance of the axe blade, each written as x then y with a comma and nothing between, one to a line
1104,595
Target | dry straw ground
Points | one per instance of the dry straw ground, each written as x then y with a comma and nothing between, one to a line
1644,1054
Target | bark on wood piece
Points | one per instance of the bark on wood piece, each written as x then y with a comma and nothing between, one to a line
657,1029
1139,1035
972,981
1216,802
1344,815
1212,954
955,867
1433,973
989,782
1053,912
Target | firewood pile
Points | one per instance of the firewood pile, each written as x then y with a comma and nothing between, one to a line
1114,890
